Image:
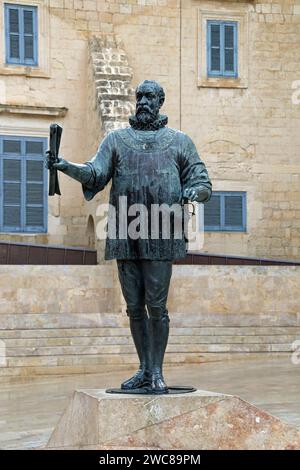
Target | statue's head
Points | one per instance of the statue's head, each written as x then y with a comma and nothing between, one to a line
150,97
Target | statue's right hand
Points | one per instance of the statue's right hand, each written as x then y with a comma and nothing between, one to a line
61,164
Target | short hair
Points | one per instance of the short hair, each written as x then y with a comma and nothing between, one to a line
158,88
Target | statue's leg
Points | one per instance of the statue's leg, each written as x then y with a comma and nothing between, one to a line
132,284
157,276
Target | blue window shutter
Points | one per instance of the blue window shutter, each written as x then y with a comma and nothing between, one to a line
11,193
226,211
28,35
21,35
13,34
34,193
212,213
23,185
233,211
215,48
222,49
228,48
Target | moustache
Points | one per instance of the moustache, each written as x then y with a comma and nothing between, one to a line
143,109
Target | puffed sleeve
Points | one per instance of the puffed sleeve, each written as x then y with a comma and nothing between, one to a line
193,173
102,168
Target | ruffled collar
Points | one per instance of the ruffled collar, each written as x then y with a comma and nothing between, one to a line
160,121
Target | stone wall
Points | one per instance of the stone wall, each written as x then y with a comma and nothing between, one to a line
71,319
247,133
247,136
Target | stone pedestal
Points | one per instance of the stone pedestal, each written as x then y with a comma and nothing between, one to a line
198,420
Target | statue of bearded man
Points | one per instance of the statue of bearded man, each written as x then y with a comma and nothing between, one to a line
150,165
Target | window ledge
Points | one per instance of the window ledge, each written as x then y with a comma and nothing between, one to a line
23,70
33,110
237,231
222,82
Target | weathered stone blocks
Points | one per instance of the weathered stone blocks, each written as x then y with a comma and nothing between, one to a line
198,420
112,76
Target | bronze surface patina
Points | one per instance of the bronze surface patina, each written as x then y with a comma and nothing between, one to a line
149,165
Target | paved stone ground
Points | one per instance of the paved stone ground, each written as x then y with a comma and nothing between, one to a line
29,409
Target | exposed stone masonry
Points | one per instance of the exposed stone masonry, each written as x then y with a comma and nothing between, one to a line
113,76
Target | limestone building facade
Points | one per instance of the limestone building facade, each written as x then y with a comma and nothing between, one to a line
231,72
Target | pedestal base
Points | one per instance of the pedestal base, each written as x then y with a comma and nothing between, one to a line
199,420
176,389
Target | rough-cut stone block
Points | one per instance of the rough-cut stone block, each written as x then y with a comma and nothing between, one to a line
199,420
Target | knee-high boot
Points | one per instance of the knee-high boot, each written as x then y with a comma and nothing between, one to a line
159,338
139,327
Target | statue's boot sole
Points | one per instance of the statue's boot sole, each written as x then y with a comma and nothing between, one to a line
158,391
141,384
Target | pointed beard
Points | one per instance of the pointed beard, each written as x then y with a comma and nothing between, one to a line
146,117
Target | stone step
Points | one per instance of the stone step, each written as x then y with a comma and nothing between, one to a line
67,341
25,320
236,331
63,332
75,368
123,349
89,360
125,339
95,303
61,320
119,331
118,359
70,350
237,339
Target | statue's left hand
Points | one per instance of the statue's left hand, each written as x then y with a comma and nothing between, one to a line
191,194
197,194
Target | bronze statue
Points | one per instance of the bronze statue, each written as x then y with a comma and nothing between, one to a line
150,165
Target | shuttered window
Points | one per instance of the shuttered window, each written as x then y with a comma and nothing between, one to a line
226,211
21,28
222,49
23,185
